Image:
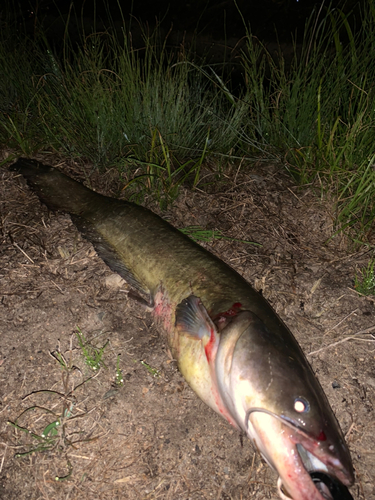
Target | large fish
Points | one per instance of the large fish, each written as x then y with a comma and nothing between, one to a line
231,347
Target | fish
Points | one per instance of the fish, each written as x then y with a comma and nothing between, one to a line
230,345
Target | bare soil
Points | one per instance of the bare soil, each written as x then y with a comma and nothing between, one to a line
151,437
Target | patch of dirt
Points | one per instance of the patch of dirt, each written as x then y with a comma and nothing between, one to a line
151,437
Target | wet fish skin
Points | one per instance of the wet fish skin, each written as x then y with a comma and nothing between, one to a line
230,345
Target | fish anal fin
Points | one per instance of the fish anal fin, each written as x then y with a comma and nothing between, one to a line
111,257
148,303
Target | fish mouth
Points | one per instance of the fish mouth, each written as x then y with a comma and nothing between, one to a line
329,487
306,471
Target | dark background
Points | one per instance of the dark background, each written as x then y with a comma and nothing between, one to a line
219,19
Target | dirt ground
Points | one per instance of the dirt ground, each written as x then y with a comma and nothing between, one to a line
151,437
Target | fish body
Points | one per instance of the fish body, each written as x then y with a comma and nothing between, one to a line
230,345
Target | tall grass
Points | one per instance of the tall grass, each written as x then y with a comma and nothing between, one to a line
157,114
103,100
319,113
18,103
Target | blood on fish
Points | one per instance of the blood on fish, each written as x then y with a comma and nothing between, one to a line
232,311
209,346
322,436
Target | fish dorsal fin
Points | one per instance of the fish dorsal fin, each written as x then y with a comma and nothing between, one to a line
192,319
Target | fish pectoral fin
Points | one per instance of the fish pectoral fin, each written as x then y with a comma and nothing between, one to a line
192,319
110,256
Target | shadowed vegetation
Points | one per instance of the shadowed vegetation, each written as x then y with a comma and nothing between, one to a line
156,114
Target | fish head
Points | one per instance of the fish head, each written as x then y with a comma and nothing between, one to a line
273,395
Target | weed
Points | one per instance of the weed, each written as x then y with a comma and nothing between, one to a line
93,355
45,441
364,281
154,372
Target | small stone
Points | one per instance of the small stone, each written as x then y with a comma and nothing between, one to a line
114,282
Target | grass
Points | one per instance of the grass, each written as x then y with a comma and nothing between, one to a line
93,355
364,281
103,100
164,174
153,371
319,112
157,114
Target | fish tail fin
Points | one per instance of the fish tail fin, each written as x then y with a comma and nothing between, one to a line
55,189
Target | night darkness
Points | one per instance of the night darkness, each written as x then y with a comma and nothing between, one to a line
206,17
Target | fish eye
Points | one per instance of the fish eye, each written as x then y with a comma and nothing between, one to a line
301,405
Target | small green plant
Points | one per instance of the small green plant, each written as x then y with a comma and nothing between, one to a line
54,433
154,372
93,355
364,281
45,441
